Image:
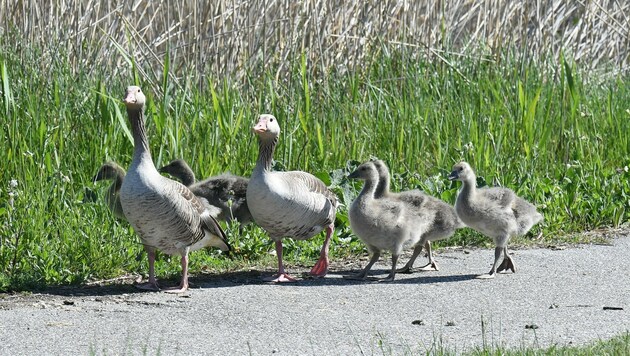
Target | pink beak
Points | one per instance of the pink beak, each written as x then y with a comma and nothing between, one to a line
130,98
261,127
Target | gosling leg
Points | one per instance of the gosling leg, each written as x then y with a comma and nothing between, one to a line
431,266
497,255
409,266
507,262
392,274
363,274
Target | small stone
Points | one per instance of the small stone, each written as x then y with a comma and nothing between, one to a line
613,308
68,302
450,323
531,326
417,322
554,306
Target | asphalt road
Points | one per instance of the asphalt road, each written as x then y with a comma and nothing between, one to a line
567,296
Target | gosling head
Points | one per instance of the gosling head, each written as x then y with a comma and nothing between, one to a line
461,172
381,167
366,171
134,98
267,127
109,170
175,166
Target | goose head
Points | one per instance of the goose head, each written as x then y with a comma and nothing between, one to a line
109,170
134,98
267,127
462,172
366,171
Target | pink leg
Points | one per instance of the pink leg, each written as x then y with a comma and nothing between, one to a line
282,276
152,285
321,267
183,285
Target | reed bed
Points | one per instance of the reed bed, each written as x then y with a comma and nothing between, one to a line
234,38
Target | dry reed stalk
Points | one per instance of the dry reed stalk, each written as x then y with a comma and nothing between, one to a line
231,37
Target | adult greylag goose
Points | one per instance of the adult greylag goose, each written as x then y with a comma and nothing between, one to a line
385,223
495,212
164,213
440,216
288,204
112,171
226,192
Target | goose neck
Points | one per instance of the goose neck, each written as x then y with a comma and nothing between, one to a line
265,154
141,143
188,178
118,181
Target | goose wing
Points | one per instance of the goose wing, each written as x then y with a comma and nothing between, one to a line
313,185
207,222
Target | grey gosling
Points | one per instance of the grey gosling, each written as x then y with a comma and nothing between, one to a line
112,171
495,212
226,192
164,213
292,204
443,220
386,223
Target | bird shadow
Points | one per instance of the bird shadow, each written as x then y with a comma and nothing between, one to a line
335,278
417,278
251,277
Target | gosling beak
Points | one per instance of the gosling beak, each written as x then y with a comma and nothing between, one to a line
353,175
453,176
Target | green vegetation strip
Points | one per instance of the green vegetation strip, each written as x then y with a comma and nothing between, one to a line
546,129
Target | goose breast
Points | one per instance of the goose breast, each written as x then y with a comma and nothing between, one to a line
290,204
165,214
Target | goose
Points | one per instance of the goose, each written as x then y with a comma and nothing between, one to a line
291,204
386,223
227,192
111,170
443,220
495,212
164,213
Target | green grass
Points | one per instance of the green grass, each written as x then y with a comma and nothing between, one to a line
551,132
618,345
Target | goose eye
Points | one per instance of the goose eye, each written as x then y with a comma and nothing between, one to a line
270,120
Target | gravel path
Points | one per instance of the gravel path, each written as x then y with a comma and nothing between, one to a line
559,296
